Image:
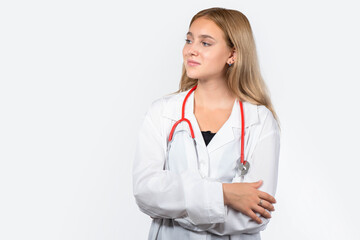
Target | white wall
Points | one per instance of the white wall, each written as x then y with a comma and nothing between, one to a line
77,76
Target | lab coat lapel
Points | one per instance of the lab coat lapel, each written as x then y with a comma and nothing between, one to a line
173,111
232,127
189,113
226,134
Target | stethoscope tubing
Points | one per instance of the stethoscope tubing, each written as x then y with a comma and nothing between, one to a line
192,131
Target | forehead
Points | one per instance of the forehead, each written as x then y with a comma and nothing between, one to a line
203,26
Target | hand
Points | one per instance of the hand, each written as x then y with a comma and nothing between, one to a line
245,198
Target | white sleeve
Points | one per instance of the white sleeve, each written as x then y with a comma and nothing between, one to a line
264,166
164,194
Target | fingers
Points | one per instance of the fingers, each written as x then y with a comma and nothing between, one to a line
251,214
256,184
262,211
265,204
266,197
263,195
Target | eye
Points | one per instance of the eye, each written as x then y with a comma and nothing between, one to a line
187,41
206,44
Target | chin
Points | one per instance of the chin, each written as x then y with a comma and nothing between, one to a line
192,74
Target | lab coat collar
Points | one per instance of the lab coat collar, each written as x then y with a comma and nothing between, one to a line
226,133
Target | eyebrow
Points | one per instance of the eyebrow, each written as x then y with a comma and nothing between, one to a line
201,36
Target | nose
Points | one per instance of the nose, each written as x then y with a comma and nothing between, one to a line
193,50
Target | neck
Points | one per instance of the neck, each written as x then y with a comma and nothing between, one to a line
213,95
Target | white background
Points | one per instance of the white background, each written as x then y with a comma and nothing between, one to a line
76,78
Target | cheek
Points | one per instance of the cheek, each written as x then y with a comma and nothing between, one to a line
216,59
185,50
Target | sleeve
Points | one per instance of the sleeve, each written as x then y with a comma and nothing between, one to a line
265,160
165,194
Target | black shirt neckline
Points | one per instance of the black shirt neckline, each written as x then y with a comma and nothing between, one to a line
207,135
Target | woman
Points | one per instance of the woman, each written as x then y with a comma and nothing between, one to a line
203,188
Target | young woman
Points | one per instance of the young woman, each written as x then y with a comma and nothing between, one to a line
206,163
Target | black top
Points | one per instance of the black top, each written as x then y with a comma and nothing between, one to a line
207,135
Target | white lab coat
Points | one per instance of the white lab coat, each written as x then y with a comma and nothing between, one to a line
189,204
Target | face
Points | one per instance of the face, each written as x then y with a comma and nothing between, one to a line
206,53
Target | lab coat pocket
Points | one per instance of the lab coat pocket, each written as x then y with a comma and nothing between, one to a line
181,153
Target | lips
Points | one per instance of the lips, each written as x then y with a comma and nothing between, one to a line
192,63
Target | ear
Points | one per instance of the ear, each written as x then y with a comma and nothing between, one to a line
232,56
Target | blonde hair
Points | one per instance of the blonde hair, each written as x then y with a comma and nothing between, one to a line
243,77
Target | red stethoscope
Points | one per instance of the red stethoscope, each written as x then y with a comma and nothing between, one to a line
244,165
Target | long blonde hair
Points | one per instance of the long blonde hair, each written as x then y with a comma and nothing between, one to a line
243,77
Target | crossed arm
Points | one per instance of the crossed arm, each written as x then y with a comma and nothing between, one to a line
202,204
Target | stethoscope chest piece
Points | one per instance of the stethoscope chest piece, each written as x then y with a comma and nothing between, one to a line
244,168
